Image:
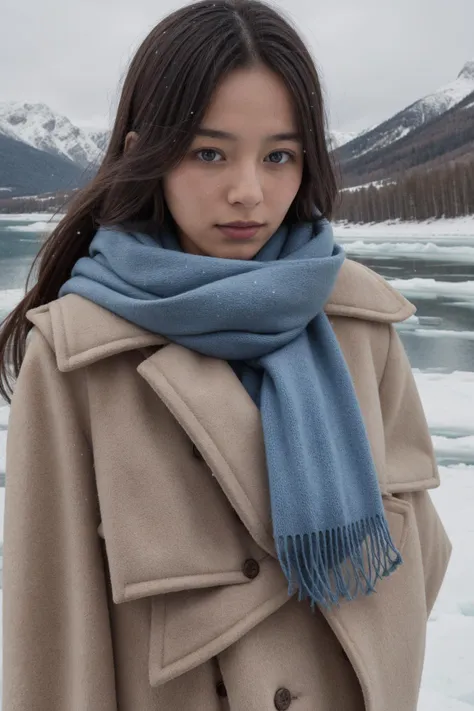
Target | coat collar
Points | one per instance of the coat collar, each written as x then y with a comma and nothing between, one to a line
81,332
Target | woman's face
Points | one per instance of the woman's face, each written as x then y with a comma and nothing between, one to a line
249,176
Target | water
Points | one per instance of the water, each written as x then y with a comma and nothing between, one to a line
17,252
427,348
435,312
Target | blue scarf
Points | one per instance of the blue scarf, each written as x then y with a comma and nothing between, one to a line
265,316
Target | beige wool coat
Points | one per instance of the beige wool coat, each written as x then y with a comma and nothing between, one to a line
140,570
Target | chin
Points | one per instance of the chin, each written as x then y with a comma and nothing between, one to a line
243,251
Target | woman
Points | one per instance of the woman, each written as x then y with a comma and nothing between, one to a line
217,458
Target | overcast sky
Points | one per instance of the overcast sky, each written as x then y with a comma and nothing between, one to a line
375,56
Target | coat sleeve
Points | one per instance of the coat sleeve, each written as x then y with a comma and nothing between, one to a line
57,649
410,460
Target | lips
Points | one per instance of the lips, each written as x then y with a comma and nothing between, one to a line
239,232
242,225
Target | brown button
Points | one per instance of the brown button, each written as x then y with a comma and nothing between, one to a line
251,569
197,453
282,699
221,690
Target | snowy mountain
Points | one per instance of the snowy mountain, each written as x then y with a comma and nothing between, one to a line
40,127
444,139
453,94
340,138
100,138
413,117
25,170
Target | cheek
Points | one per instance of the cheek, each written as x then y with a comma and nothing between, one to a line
296,176
186,186
281,194
285,181
294,183
173,187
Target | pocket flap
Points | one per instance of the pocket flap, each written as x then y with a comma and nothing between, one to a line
188,628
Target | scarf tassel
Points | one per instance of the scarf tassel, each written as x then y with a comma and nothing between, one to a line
339,563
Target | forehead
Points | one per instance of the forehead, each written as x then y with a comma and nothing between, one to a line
251,101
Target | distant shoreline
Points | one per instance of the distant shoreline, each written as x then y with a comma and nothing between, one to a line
455,227
30,216
459,226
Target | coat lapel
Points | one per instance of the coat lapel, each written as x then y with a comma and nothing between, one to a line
210,404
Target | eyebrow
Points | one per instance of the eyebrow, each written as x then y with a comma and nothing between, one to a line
214,133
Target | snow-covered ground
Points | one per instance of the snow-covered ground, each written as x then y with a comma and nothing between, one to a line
9,298
397,228
448,401
426,288
410,250
30,217
415,324
373,183
448,681
41,226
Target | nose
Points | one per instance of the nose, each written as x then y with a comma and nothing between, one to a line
246,186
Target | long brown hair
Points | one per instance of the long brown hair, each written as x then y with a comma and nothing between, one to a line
164,98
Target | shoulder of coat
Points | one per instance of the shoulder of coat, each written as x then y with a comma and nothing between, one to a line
361,293
81,332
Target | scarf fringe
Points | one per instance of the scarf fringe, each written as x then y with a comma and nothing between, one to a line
339,563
